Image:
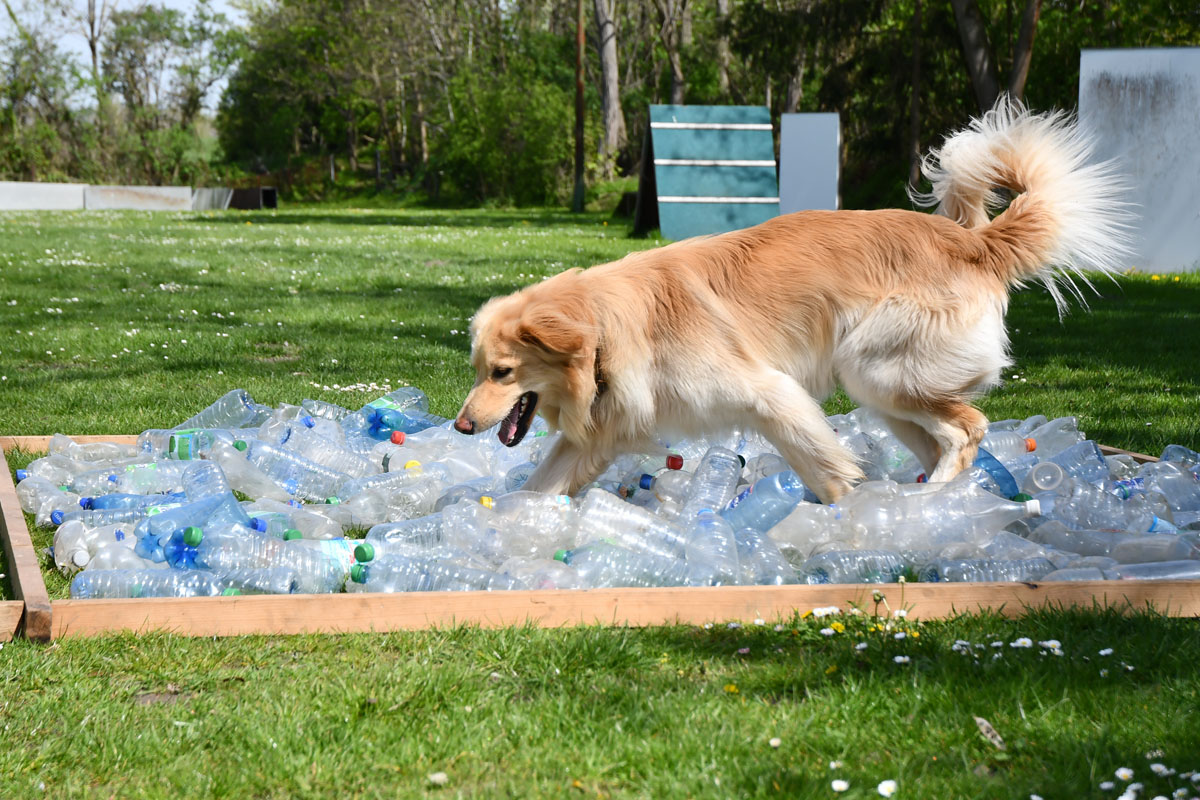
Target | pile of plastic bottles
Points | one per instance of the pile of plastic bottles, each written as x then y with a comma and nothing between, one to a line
245,498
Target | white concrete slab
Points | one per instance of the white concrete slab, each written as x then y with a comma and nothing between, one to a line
810,147
1143,107
28,196
142,198
210,199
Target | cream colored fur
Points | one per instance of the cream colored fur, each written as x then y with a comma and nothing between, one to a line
751,328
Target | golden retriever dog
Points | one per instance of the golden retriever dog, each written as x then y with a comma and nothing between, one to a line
752,328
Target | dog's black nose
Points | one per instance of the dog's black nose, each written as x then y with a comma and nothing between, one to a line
464,425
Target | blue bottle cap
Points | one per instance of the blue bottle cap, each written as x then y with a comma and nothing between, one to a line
22,474
308,421
259,524
646,481
85,502
113,478
56,517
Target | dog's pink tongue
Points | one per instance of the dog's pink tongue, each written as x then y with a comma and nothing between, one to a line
508,426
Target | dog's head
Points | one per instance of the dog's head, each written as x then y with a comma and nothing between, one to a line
532,351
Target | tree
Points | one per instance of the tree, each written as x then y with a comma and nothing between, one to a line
981,61
615,135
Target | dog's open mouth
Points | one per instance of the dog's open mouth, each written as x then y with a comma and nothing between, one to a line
514,426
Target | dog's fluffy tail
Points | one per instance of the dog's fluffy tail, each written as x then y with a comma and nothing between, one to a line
1069,216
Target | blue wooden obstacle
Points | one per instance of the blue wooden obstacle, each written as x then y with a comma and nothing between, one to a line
714,168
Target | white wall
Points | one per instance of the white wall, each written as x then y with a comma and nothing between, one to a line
1143,106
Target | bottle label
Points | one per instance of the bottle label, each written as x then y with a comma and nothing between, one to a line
152,466
383,402
735,502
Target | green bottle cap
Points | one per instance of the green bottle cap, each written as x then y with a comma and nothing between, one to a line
1022,497
240,445
560,555
232,591
364,552
292,533
192,536
358,573
333,501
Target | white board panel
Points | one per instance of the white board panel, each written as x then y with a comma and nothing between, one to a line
1143,107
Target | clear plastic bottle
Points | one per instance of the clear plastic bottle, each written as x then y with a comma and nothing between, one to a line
1031,424
472,490
361,510
1080,505
33,490
110,516
55,507
396,480
853,566
604,516
325,410
276,519
1007,446
1082,460
1179,486
298,438
186,444
806,528
145,583
75,543
235,409
243,476
603,564
227,548
423,532
930,518
712,552
295,474
1083,542
1056,435
1186,570
260,580
516,475
206,481
1078,574
1156,547
154,477
57,469
399,573
761,561
766,503
417,498
62,444
112,554
714,483
986,570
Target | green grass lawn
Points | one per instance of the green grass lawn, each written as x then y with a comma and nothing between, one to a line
117,322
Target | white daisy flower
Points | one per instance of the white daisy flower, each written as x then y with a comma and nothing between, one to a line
886,788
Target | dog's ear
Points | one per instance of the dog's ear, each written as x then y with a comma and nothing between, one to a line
552,330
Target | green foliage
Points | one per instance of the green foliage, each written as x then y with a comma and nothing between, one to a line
511,141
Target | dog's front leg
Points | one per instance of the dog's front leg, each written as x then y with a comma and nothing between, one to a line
567,468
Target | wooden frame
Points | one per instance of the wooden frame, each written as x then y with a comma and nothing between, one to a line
45,619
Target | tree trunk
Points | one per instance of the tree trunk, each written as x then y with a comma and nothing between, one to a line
724,56
352,140
977,52
671,14
1023,52
577,202
795,88
914,105
615,134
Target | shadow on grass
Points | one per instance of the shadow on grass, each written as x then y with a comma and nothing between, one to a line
423,218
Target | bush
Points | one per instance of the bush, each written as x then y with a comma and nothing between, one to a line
511,140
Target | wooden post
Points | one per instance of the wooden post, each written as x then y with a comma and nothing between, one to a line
24,571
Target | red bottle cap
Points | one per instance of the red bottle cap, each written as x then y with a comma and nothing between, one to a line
674,461
397,437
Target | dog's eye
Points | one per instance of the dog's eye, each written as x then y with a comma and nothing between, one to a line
501,372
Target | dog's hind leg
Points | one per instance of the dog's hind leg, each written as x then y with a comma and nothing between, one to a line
916,439
957,427
567,468
793,421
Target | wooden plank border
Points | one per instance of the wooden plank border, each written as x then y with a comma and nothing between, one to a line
367,612
25,574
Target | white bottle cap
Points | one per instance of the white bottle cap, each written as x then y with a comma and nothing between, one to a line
1033,508
80,558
